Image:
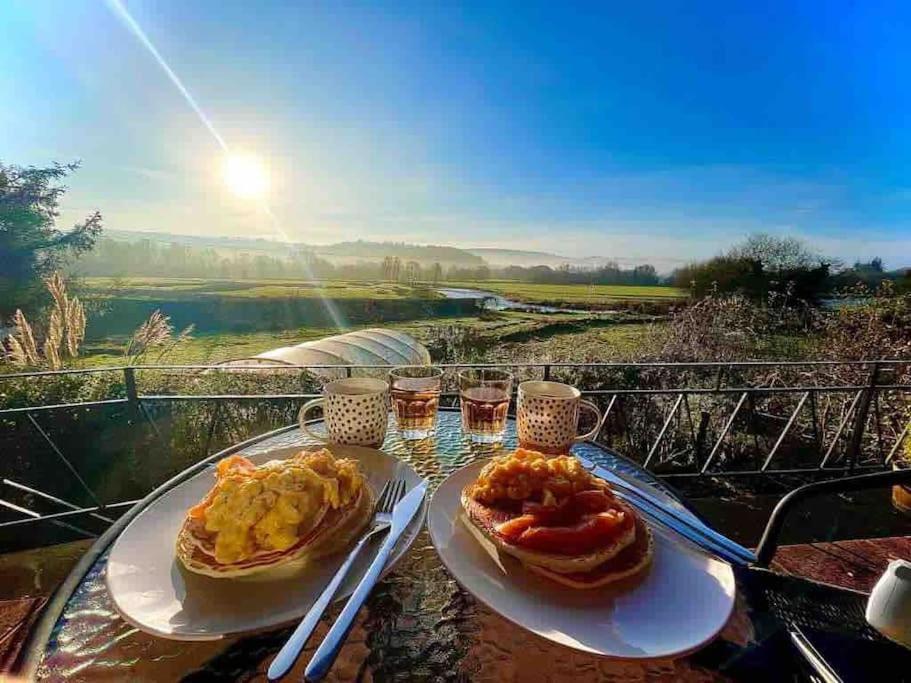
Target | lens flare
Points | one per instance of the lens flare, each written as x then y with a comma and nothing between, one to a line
245,176
121,12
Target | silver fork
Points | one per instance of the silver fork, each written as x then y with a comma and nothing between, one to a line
390,495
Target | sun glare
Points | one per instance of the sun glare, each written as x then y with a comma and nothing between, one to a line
246,176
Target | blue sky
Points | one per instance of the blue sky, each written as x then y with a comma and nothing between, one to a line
660,131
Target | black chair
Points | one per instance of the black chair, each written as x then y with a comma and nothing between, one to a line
827,620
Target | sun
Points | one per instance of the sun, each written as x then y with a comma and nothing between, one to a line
246,176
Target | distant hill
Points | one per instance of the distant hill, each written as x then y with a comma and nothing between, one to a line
425,254
499,258
429,253
252,245
518,257
341,252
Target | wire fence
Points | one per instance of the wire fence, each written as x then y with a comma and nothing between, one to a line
82,445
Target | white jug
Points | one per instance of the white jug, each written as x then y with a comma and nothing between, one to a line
889,606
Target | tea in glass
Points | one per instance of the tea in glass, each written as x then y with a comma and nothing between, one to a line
415,391
484,395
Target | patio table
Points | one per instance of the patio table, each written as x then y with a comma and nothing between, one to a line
417,625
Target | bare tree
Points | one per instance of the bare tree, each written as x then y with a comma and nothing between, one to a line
436,273
776,253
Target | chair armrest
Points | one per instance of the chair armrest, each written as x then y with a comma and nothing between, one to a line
765,551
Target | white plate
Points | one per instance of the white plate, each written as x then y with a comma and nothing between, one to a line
152,590
682,601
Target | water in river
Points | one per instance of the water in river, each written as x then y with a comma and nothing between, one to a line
497,302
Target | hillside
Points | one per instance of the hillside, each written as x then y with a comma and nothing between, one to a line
341,252
501,258
516,257
424,254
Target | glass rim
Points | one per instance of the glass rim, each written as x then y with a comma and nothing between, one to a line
430,372
478,375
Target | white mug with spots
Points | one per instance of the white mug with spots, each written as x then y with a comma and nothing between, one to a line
355,411
548,416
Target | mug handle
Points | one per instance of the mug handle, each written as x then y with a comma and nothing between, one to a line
588,405
302,415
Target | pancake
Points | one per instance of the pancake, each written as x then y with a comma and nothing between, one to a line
335,531
486,518
629,562
204,540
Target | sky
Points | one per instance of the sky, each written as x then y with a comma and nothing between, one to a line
660,131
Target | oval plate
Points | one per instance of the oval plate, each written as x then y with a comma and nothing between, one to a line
152,590
675,606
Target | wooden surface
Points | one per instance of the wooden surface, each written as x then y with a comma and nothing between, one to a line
849,564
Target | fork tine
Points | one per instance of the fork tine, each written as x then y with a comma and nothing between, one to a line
394,494
381,501
399,491
389,502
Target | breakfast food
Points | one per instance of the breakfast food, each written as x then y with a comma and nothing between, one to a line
260,517
557,518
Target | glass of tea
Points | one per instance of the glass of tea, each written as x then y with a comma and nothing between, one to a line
484,394
415,393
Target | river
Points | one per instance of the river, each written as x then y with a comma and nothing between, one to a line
501,303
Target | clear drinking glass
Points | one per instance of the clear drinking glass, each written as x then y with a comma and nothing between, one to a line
484,394
415,391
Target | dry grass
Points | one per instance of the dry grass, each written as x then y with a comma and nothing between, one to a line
64,330
156,333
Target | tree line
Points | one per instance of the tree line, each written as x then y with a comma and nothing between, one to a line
144,257
766,265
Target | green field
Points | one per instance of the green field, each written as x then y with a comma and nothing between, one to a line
508,334
191,288
183,289
557,336
551,294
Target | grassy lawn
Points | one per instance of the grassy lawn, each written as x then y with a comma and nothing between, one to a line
203,349
561,336
214,348
193,288
573,293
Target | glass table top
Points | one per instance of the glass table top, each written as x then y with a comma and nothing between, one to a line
417,625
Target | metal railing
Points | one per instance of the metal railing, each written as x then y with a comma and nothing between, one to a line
719,423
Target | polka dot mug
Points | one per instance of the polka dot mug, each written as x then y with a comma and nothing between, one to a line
355,411
548,416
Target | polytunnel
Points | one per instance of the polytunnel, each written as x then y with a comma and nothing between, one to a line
375,346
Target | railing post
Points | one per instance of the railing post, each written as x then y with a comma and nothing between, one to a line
860,418
701,434
129,383
134,406
547,372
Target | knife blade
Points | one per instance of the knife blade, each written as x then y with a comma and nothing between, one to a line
326,653
684,524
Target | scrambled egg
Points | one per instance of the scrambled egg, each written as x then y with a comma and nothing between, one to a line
268,508
520,475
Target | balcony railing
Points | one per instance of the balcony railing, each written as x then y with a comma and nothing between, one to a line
680,420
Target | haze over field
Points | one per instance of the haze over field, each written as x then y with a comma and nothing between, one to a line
352,252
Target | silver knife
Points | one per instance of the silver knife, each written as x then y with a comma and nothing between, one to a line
328,650
683,524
